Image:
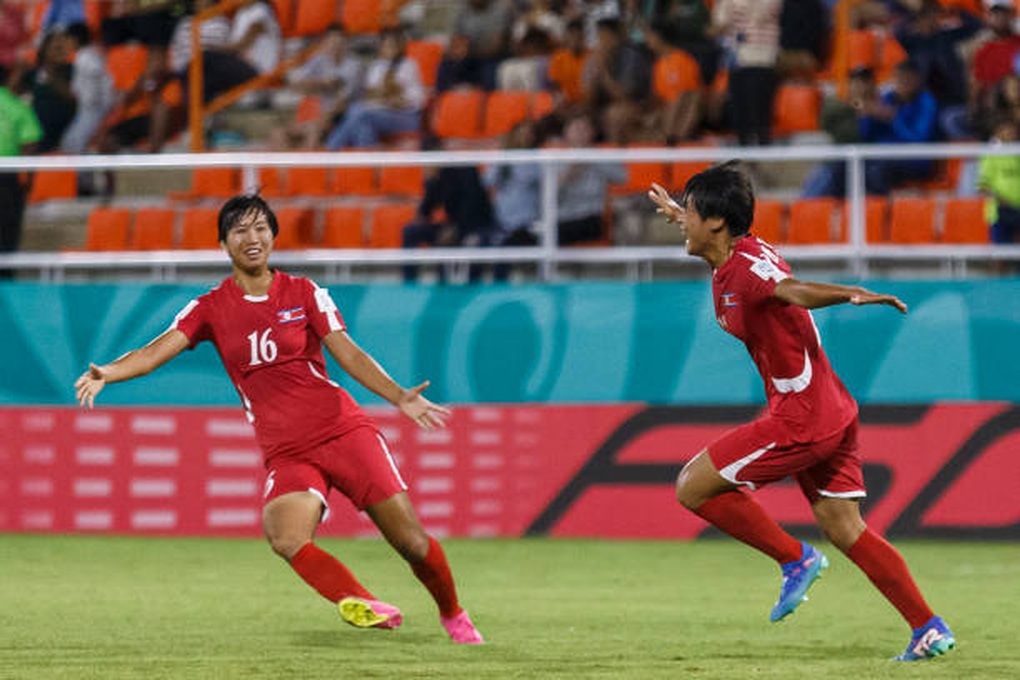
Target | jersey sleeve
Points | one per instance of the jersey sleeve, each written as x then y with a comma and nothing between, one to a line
323,313
760,276
192,321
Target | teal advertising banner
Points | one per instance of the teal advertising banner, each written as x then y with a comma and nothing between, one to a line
655,343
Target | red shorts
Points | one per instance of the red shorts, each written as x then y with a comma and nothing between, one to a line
764,451
358,464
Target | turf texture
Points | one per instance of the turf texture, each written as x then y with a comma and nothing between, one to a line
111,608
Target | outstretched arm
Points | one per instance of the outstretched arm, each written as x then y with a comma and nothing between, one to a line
812,295
363,368
135,363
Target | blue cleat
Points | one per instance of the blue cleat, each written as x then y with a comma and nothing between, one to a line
797,578
930,640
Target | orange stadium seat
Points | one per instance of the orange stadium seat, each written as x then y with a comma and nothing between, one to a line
674,74
357,181
271,182
681,171
313,17
198,229
343,227
214,182
912,220
126,64
428,54
797,108
296,225
811,220
890,55
963,220
153,229
107,229
542,104
388,222
768,221
285,15
503,110
407,180
48,185
361,16
95,12
308,181
457,114
862,46
640,176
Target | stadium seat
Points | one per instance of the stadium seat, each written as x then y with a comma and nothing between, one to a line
296,225
862,46
542,104
912,220
504,110
356,181
198,229
153,229
126,64
811,220
215,182
890,55
681,171
343,227
457,114
107,229
271,182
428,54
876,225
674,74
313,17
641,175
797,108
405,180
361,16
308,181
95,12
388,222
963,220
285,15
768,221
49,185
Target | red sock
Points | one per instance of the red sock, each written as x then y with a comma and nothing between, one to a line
327,574
887,569
434,573
740,516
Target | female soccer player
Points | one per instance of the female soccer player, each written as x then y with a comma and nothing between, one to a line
810,430
269,329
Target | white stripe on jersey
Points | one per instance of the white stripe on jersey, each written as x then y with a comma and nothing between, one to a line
183,313
798,383
311,367
328,307
730,472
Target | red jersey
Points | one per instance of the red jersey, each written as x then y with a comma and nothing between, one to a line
801,387
270,346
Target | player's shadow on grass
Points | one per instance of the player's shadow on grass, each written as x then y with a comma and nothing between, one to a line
338,638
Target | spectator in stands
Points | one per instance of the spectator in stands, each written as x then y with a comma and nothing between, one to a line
223,66
1006,99
676,83
459,192
92,85
392,101
905,114
60,15
750,32
566,67
685,25
12,37
804,27
256,36
516,192
617,82
525,70
20,133
583,188
999,179
480,41
331,79
995,59
539,15
934,47
50,86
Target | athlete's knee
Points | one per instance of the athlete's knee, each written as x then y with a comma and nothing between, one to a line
412,544
286,545
841,522
686,493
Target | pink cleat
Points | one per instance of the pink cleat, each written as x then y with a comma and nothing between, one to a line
461,629
364,613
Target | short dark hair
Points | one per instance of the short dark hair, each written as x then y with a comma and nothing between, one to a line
238,207
79,32
722,191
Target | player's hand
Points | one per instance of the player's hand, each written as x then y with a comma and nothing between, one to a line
89,385
665,203
866,297
415,406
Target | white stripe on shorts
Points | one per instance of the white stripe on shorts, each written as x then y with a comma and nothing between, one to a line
842,494
393,463
730,472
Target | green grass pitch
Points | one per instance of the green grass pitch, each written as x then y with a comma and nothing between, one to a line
110,608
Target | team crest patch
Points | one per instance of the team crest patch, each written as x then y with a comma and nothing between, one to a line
729,299
291,315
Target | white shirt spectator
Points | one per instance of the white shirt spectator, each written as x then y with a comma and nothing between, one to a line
91,81
406,75
214,34
264,51
322,67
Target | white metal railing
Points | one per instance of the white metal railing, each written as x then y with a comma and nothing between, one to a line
856,253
